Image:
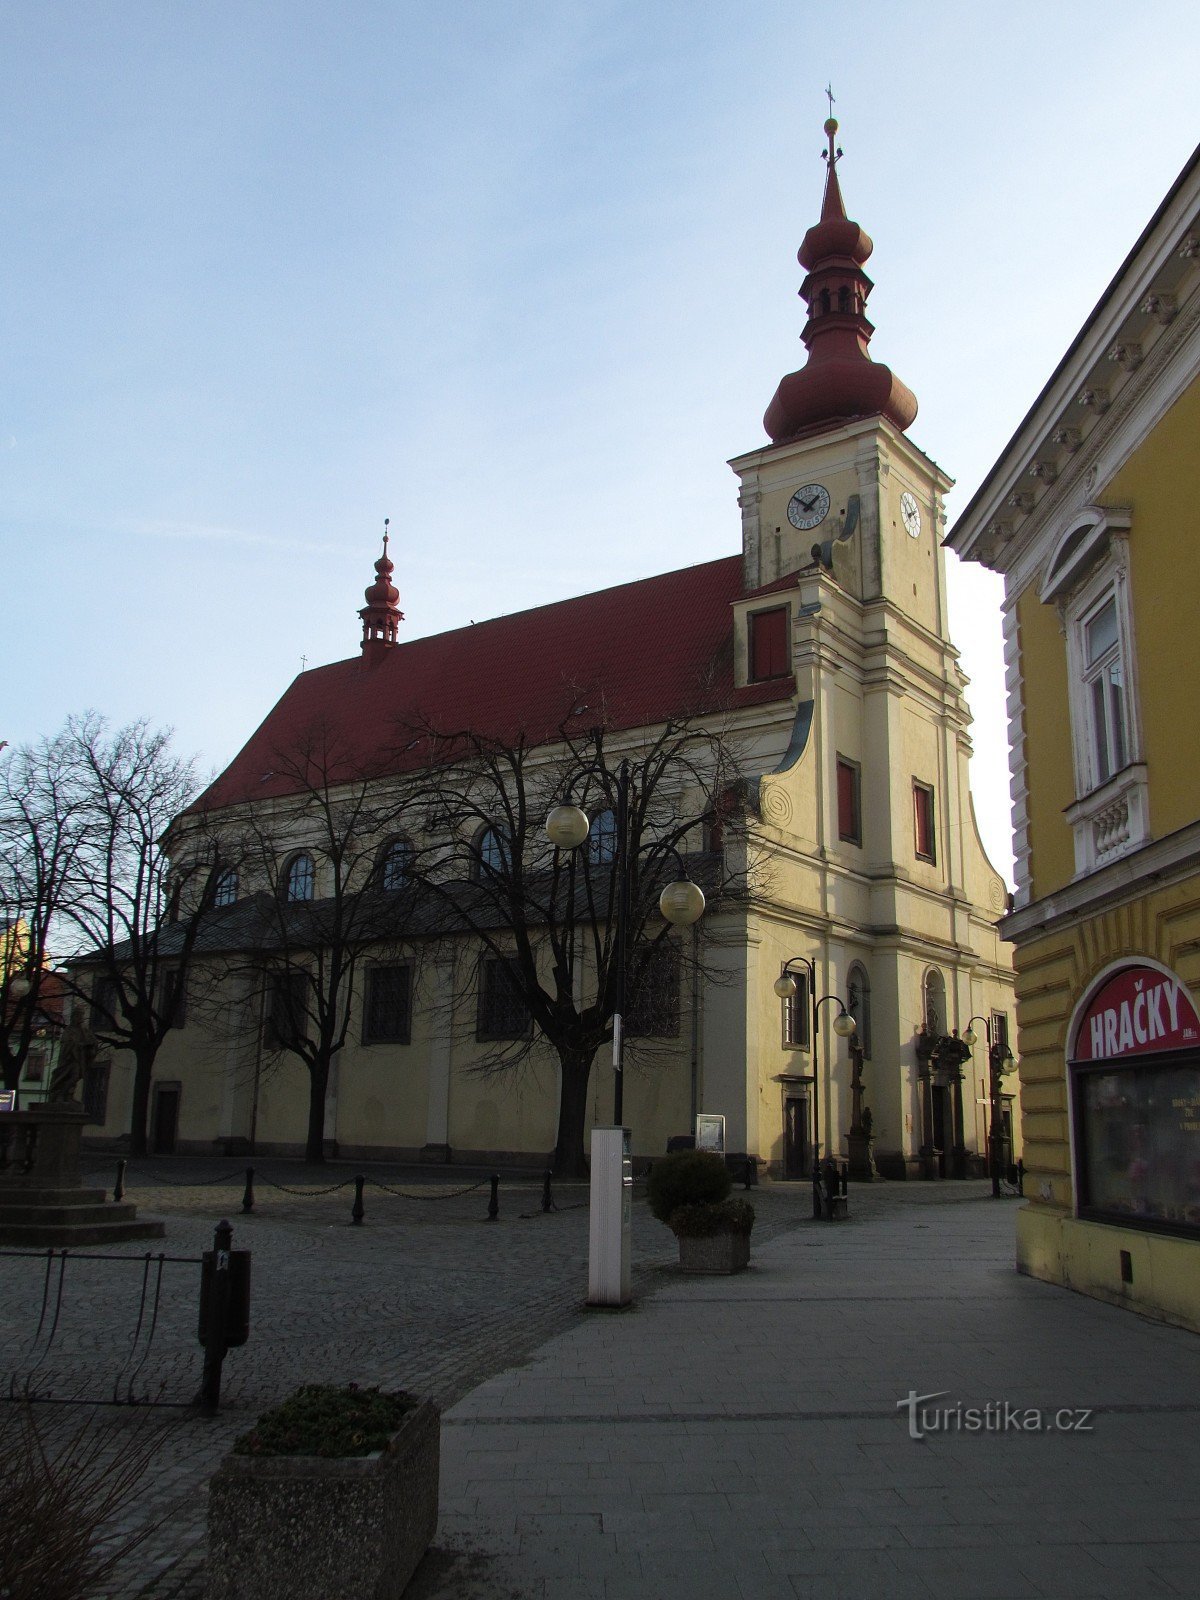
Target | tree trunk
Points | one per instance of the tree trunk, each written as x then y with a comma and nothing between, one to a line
318,1083
570,1157
139,1115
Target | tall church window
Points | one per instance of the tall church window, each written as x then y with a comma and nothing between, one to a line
653,1005
923,829
299,878
858,1003
602,837
769,644
797,1015
503,1013
849,800
226,891
395,865
285,1024
387,1005
492,853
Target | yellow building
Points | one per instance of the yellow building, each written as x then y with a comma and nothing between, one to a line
821,651
1092,513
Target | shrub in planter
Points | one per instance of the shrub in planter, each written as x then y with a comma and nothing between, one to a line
688,1177
714,1238
705,1221
331,1496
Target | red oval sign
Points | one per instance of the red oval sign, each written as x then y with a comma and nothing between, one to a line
1135,1012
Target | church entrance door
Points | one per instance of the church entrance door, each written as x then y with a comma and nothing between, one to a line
941,1122
166,1120
795,1137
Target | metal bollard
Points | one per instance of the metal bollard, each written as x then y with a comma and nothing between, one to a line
214,1350
748,1172
248,1196
358,1209
816,1186
119,1190
494,1202
547,1197
1021,1177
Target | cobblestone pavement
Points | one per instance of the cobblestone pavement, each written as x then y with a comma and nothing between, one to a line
427,1295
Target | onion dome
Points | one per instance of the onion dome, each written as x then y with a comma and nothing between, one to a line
381,616
839,379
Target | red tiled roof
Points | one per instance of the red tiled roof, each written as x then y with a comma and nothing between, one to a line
634,655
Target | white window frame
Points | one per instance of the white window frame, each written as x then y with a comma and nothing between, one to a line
1111,813
797,1015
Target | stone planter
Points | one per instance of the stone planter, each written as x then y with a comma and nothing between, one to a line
720,1252
318,1528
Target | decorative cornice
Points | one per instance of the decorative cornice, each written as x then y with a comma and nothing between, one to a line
1068,439
1044,471
1126,353
1094,399
1162,307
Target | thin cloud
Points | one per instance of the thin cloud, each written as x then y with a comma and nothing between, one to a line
207,533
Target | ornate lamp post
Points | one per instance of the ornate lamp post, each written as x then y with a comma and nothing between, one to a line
1000,1061
843,1025
681,903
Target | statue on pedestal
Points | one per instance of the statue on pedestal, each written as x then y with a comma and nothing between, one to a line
77,1049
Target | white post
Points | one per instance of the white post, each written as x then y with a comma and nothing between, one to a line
611,1213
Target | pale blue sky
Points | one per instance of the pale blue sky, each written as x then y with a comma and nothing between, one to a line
521,277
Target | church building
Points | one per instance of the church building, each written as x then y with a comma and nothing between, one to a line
821,650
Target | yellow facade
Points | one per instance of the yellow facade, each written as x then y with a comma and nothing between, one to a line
1102,589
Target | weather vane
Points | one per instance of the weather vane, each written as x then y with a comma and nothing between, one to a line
834,152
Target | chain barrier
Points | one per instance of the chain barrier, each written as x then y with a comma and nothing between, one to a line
454,1194
175,1183
303,1193
249,1177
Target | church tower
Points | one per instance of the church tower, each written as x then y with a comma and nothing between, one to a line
889,889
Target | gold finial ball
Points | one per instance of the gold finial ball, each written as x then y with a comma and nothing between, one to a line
831,125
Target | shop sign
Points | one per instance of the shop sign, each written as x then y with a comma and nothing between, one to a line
1137,1011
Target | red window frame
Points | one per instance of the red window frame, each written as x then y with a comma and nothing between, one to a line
849,801
769,654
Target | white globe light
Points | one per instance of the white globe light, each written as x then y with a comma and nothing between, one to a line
682,903
970,1038
844,1025
785,986
567,827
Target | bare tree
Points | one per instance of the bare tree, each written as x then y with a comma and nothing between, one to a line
546,923
42,833
123,919
325,905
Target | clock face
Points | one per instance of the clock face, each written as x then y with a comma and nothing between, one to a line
808,506
911,512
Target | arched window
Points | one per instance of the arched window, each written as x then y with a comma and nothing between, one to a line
858,1003
935,1001
395,865
492,853
844,299
299,879
226,891
602,837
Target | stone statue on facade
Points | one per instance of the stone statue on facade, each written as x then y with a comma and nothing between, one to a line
77,1049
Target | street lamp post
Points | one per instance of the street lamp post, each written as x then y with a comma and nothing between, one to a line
1000,1059
681,903
843,1025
